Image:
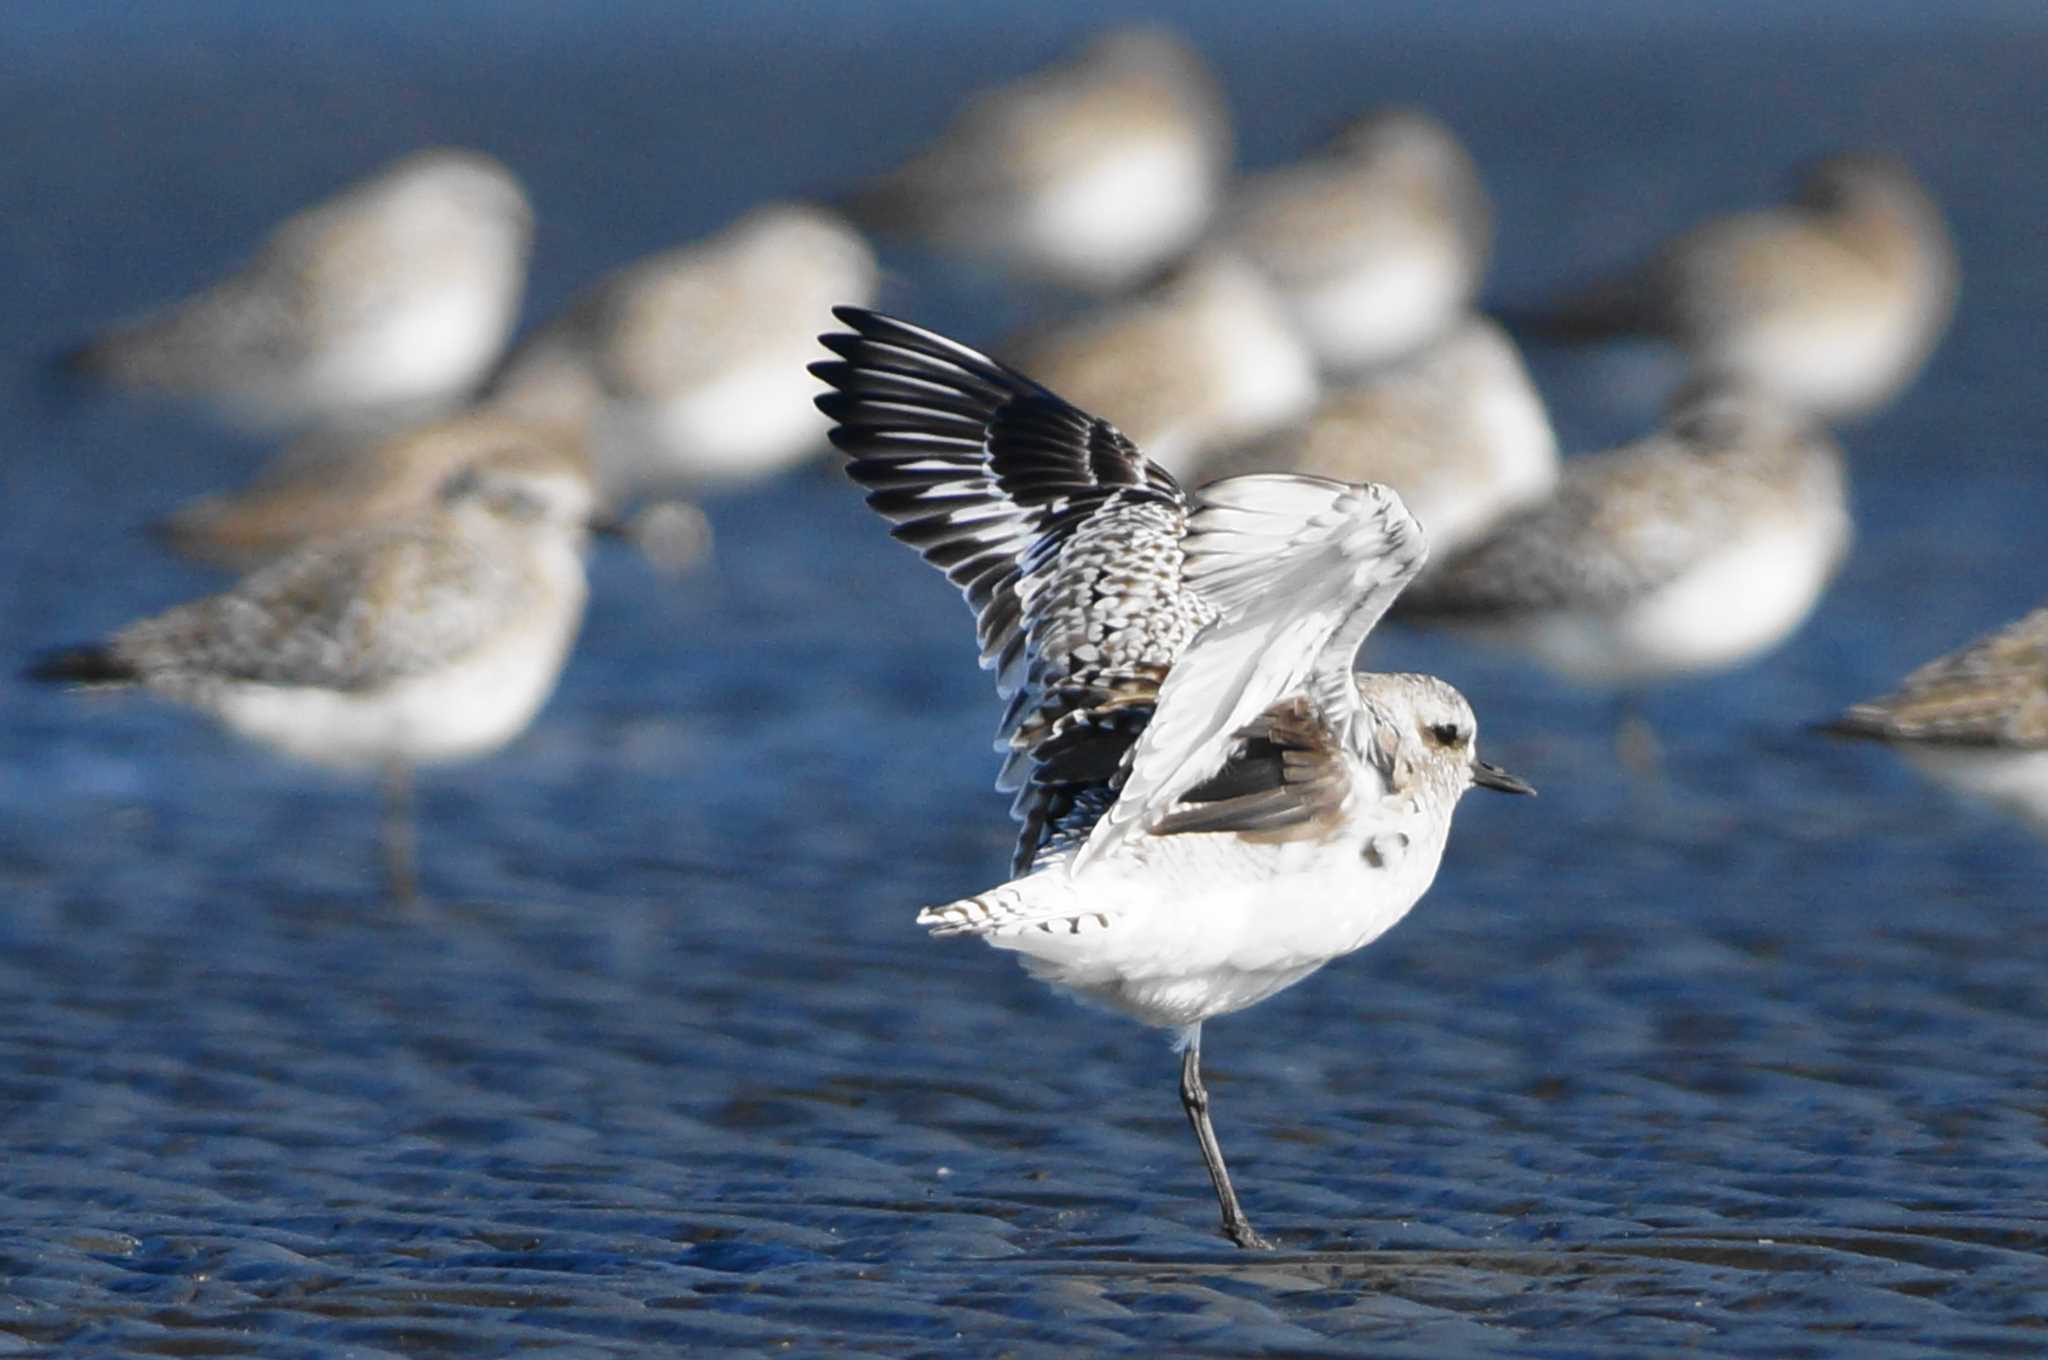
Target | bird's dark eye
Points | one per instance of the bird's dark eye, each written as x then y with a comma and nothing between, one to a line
1447,734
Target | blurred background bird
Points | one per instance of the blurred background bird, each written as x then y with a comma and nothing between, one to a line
1376,243
411,642
1090,174
1831,302
388,300
686,369
1686,552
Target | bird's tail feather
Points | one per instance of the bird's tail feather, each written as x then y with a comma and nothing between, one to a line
87,665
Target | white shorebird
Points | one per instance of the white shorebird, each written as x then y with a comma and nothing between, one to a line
1686,552
1457,428
1090,173
1214,804
1377,243
429,640
1976,719
687,368
1831,302
1203,360
393,297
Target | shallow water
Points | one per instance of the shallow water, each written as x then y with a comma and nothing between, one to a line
1744,1063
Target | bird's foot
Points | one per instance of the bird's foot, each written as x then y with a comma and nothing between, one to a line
1244,1235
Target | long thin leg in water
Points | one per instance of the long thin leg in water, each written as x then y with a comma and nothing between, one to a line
1194,1098
398,835
1635,740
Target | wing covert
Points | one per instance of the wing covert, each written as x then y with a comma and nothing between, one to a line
1298,570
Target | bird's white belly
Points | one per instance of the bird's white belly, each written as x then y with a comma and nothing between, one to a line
1107,224
1199,926
1833,361
425,350
1381,309
467,708
2015,781
753,420
1457,502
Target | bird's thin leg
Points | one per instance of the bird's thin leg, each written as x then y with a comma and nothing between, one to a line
1194,1098
1635,740
398,835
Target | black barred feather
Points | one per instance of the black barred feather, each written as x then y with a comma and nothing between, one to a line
1063,538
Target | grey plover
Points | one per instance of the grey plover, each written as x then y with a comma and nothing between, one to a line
1377,243
1214,803
396,296
1831,302
687,369
1457,428
400,645
1975,720
1090,173
1686,552
1203,360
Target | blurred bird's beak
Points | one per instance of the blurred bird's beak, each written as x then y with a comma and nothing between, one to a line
1500,781
607,525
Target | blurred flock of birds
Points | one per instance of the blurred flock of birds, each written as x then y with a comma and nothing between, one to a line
415,557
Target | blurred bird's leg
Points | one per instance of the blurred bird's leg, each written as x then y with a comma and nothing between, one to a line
1194,1098
399,835
1635,740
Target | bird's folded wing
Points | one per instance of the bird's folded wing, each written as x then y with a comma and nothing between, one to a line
347,616
1298,570
1286,776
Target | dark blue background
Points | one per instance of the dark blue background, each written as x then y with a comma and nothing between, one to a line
1745,1063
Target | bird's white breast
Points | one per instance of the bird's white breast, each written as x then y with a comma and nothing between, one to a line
1195,926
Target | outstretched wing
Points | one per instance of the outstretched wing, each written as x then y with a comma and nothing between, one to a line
1065,540
1298,570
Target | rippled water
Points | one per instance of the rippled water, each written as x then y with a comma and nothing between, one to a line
1747,1063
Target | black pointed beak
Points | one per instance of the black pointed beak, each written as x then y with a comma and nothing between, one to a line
1500,781
607,525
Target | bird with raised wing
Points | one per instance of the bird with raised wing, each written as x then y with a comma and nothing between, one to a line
1214,803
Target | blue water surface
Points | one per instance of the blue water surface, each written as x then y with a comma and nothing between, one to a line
1746,1062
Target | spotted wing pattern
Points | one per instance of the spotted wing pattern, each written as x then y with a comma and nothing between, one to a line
1064,539
1298,570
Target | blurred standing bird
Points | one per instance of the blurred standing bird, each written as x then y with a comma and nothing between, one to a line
1975,720
1831,302
392,298
1457,428
1377,243
1214,803
1687,552
398,645
687,368
1203,360
1090,174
